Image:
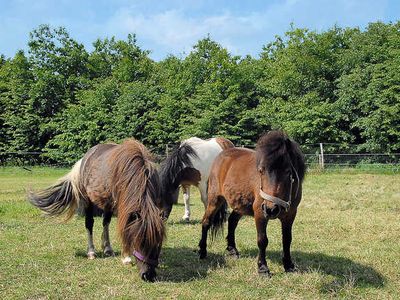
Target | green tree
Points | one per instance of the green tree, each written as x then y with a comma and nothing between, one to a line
59,67
221,94
338,86
86,123
369,88
299,82
18,116
133,112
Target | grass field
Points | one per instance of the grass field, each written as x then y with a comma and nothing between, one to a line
345,243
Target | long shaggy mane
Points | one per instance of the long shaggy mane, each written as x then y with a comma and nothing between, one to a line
136,188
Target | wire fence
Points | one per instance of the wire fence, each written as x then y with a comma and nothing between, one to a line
330,156
26,158
318,156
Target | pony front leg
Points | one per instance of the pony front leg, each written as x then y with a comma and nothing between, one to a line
262,242
126,259
186,200
105,238
126,256
287,222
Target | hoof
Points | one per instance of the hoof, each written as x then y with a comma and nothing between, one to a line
292,269
264,271
186,218
148,278
109,253
202,254
91,255
127,260
289,266
233,252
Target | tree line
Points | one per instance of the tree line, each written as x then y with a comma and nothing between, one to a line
337,86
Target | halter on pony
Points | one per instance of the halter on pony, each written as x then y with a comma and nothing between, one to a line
142,258
279,201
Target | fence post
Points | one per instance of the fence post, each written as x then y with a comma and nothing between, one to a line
321,157
166,150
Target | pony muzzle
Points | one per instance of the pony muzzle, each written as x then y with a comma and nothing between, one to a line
148,272
149,276
271,213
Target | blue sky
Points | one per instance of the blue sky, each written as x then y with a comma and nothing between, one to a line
173,27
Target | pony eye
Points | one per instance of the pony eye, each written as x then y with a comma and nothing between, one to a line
260,170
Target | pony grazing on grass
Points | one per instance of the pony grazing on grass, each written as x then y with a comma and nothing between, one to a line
266,184
120,178
190,164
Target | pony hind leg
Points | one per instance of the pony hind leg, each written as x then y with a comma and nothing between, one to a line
89,221
233,220
105,238
186,200
203,193
213,208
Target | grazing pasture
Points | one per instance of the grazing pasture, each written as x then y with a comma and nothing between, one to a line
345,243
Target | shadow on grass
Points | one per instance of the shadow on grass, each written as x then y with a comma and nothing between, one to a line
176,264
183,222
183,264
346,272
79,253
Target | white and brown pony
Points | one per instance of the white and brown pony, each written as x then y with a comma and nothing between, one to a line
116,178
189,164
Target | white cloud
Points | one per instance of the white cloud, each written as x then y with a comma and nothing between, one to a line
177,30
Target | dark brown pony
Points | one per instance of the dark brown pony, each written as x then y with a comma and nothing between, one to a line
266,184
116,178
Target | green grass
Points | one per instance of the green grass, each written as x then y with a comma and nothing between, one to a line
345,243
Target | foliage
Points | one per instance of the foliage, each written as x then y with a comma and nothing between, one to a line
338,86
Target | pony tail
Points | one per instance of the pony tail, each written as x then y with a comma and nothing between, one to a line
60,198
217,222
137,192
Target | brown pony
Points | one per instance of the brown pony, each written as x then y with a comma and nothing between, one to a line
266,184
116,178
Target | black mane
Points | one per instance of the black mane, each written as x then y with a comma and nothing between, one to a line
275,148
179,159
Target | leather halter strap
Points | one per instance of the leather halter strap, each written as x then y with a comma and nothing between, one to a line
277,200
141,257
